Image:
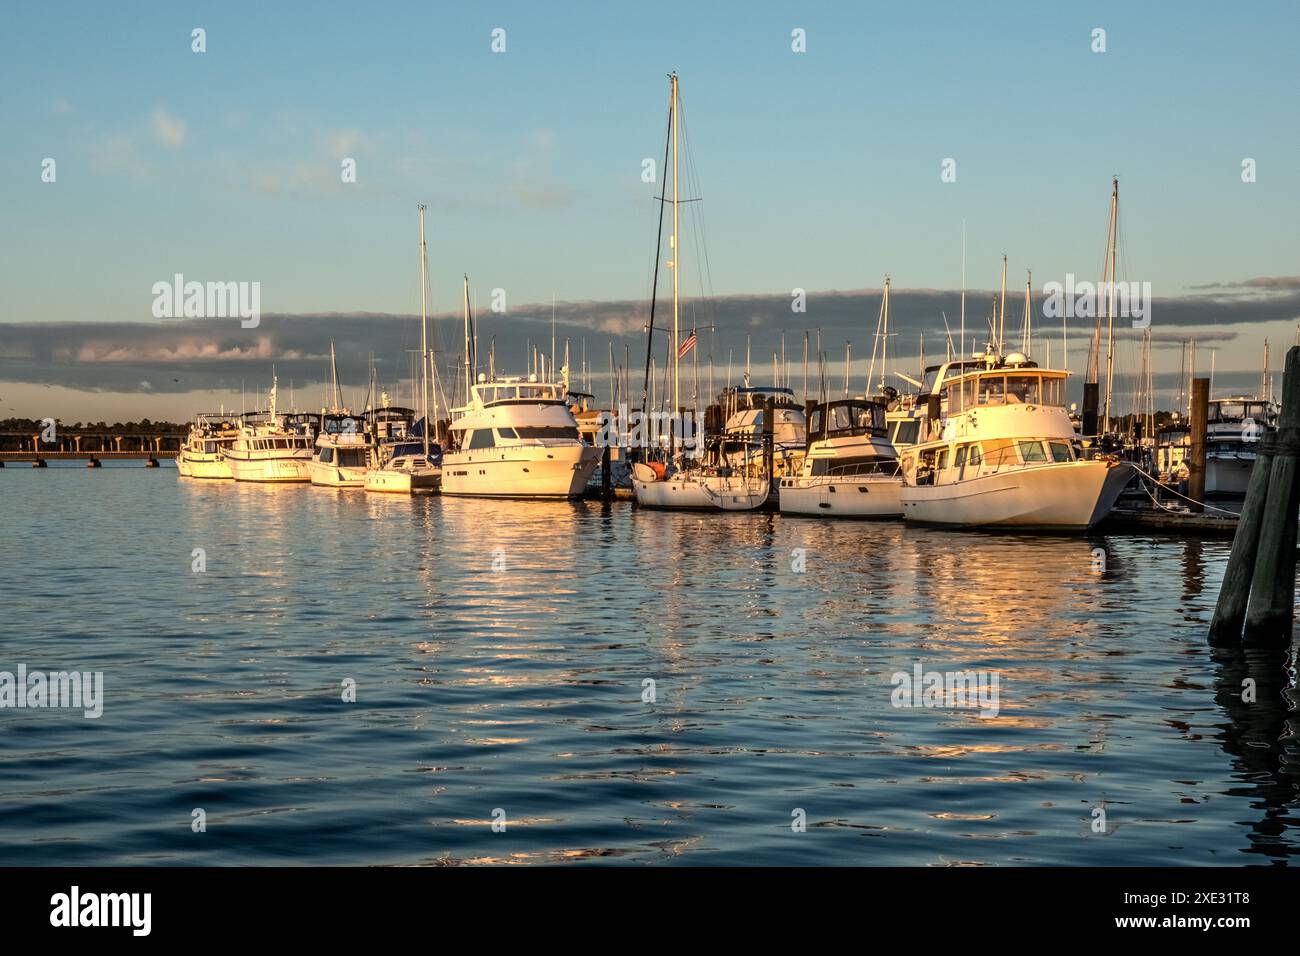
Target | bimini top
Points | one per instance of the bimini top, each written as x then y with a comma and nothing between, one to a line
847,417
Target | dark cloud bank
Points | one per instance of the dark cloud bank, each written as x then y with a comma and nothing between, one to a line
173,356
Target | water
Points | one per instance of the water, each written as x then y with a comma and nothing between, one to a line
520,689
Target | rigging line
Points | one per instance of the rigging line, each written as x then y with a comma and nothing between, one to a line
654,296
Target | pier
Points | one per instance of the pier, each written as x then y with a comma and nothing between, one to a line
89,445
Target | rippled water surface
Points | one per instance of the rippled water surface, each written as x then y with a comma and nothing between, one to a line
500,652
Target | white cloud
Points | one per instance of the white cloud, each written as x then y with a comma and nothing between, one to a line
169,130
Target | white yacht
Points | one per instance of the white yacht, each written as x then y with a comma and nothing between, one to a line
1234,428
403,464
345,448
200,455
744,407
517,439
999,451
850,469
268,449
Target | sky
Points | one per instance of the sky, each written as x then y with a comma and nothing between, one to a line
817,170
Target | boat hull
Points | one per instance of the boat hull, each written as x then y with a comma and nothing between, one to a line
550,471
332,476
401,482
282,470
1228,476
1069,496
843,497
203,466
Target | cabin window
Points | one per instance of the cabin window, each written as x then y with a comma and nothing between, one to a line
941,462
992,389
906,432
352,458
551,432
1023,389
1052,391
506,433
480,438
327,454
960,460
1061,451
210,447
1032,452
973,456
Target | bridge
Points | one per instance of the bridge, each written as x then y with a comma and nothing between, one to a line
91,447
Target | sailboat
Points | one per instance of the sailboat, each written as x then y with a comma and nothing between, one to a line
408,466
679,479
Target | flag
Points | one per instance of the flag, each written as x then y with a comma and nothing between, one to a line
686,346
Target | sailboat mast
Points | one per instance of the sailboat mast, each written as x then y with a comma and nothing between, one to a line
1110,297
424,334
677,259
1002,308
469,348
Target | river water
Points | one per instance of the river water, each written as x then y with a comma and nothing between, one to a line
362,679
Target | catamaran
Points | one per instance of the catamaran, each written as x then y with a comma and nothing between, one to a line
200,455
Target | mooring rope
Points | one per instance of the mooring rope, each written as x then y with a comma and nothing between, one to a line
1175,491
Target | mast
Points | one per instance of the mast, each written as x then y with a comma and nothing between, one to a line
335,404
1002,308
677,258
469,343
1027,334
424,334
1110,297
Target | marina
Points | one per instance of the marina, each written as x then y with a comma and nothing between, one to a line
695,443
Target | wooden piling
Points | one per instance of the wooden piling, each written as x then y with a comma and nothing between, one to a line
1196,453
1269,611
606,481
1230,611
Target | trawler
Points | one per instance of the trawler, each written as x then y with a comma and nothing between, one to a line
850,469
200,455
516,439
1234,428
999,450
344,449
268,449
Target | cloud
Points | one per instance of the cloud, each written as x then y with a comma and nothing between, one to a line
218,354
118,153
167,129
60,107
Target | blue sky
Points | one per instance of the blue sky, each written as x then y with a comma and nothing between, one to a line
819,170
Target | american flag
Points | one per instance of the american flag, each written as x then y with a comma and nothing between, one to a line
687,346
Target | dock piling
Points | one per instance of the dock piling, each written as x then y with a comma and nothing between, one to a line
1256,600
1196,453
